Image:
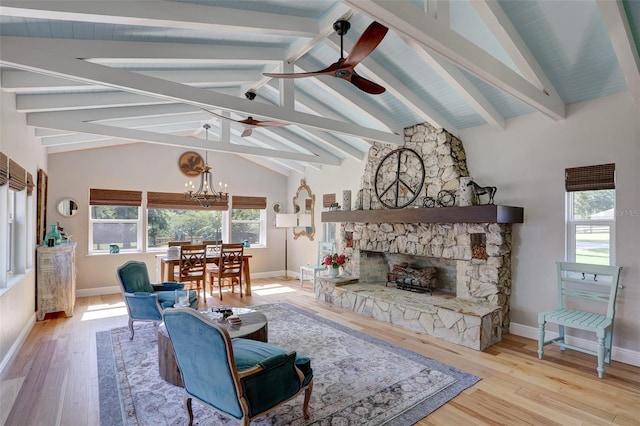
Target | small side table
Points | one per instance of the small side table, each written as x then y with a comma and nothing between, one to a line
254,326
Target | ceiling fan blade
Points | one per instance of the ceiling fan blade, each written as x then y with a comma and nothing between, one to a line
247,132
266,123
368,41
271,124
327,71
218,115
366,85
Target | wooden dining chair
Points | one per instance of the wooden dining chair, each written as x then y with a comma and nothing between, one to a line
229,268
213,246
213,252
178,243
193,265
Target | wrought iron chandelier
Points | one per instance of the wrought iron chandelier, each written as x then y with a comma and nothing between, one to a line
206,195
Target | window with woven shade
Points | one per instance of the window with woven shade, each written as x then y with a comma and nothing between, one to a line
248,220
590,178
17,176
4,169
175,200
591,214
115,219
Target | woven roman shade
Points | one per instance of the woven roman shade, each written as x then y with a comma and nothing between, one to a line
328,199
172,200
4,169
114,197
17,176
242,202
30,184
590,178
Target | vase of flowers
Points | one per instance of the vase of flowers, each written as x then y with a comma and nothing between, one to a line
334,262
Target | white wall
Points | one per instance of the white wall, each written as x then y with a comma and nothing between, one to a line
150,167
527,162
17,304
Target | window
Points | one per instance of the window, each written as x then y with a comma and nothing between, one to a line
115,219
247,224
591,214
11,234
15,219
164,225
329,231
248,220
171,217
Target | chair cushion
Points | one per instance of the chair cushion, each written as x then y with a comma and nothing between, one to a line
249,353
168,298
168,286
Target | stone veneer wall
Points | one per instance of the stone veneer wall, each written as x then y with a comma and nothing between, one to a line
478,280
442,154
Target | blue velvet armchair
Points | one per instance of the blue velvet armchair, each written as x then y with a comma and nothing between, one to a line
145,301
240,378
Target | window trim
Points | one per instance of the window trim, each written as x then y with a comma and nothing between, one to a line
138,222
262,224
571,224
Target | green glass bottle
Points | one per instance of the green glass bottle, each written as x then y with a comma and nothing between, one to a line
53,233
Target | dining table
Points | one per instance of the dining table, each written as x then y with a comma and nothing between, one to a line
166,265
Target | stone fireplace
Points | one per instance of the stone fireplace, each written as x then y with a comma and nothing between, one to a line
469,246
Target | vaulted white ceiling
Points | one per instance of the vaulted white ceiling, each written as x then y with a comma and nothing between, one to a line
97,73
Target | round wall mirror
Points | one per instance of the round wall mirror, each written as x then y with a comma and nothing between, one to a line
68,207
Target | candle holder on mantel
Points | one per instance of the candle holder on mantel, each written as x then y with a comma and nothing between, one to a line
346,200
359,200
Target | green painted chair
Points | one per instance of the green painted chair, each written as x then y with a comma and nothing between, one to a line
324,248
581,281
240,378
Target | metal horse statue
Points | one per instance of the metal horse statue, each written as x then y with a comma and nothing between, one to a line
482,190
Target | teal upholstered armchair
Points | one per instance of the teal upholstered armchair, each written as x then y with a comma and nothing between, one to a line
240,378
145,301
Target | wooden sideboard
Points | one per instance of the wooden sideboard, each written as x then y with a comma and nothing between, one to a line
56,279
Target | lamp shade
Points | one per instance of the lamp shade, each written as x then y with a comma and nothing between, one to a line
286,220
304,220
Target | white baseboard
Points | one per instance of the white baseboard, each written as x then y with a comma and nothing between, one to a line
17,344
626,356
98,291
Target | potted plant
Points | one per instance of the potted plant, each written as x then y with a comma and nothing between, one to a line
334,262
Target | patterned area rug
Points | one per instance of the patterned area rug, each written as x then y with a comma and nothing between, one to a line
358,379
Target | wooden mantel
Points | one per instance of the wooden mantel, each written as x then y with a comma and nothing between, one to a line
472,214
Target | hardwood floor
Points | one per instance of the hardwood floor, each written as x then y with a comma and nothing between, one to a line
54,378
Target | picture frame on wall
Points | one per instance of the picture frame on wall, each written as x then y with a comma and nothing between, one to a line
41,221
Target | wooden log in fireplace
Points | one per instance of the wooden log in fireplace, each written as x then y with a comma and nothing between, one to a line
413,279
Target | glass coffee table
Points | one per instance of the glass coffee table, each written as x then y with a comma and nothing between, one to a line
254,326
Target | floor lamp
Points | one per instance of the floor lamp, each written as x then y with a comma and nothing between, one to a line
286,220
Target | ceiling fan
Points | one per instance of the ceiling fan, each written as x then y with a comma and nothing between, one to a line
344,67
250,123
